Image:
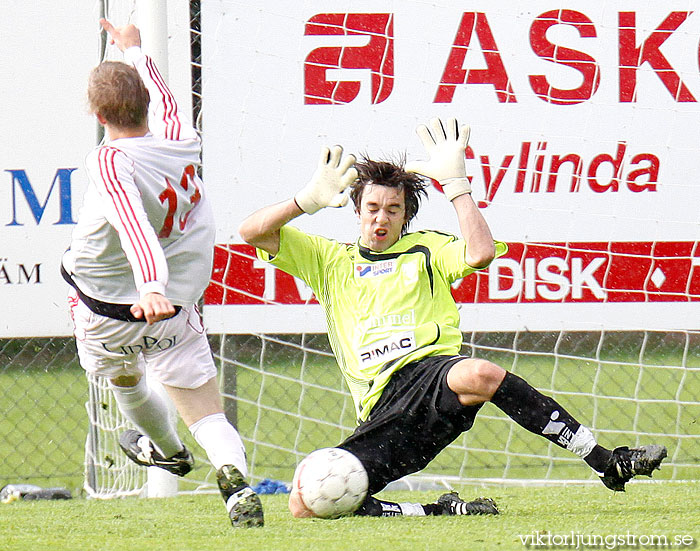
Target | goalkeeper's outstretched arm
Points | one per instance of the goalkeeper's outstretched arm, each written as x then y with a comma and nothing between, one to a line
262,228
445,143
480,245
325,189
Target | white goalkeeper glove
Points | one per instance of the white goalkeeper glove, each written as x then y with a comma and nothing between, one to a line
333,175
445,144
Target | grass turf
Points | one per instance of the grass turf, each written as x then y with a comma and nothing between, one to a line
199,522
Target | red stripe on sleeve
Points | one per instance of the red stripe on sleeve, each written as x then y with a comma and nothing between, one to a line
170,118
126,214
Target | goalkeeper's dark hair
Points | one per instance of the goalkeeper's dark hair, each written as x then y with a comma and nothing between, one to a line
390,173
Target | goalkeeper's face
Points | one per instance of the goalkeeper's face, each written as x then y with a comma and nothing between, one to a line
382,216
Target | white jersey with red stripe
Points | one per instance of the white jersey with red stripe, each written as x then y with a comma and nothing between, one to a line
145,225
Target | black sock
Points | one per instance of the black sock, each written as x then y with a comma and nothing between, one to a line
598,458
534,411
373,507
544,416
434,509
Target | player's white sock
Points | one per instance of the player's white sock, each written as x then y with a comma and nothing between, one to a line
149,412
221,441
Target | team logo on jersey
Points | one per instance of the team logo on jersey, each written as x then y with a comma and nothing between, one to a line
388,349
375,269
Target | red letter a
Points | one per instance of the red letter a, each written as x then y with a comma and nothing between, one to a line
495,73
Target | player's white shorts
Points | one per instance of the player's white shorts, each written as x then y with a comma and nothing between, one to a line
175,351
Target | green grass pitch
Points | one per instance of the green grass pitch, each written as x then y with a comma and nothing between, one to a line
668,510
43,424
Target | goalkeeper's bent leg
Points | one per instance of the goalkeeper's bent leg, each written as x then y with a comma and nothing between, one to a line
373,507
542,415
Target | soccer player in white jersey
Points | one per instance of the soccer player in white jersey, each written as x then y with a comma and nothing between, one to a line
139,260
394,326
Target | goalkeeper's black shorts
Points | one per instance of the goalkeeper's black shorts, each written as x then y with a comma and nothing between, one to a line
416,417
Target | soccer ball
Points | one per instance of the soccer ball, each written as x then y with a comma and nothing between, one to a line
331,482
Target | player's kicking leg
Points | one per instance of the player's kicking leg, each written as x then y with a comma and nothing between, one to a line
201,411
139,448
155,443
242,503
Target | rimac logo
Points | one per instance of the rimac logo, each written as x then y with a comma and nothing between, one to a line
388,349
377,55
375,269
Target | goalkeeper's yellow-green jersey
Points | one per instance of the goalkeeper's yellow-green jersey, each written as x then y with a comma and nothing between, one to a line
385,309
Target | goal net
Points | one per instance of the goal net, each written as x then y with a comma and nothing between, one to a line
579,159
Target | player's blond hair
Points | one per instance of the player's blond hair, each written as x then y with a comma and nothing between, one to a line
116,91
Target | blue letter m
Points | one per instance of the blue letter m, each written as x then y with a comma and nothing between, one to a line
63,175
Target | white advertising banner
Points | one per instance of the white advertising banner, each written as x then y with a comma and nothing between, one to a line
49,49
584,152
46,133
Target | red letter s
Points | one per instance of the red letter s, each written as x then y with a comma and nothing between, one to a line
583,63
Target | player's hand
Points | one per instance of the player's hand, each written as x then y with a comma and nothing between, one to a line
445,142
153,307
333,175
123,37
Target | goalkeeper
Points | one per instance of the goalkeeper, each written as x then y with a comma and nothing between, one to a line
394,326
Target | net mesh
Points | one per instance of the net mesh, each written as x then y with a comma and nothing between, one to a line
630,388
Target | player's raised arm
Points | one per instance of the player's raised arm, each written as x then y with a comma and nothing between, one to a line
446,142
123,37
163,115
333,175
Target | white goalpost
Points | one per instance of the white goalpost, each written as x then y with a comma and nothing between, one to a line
596,302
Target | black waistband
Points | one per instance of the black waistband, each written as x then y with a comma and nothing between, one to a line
121,312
